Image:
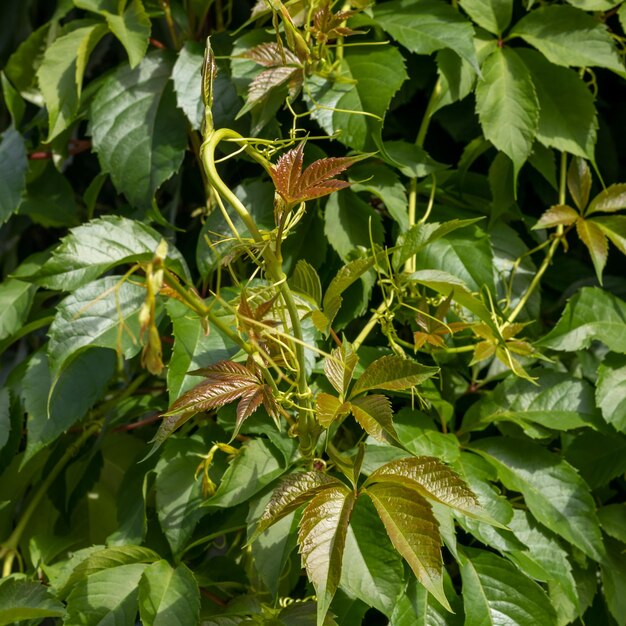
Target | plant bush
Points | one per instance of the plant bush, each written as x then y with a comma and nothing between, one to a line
309,313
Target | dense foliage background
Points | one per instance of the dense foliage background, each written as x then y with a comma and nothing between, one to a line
366,308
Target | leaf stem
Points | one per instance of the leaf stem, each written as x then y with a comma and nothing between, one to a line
371,323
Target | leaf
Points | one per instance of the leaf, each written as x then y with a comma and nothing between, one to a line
496,592
26,600
579,182
168,596
148,148
292,492
590,315
614,227
557,215
99,245
355,106
52,410
613,520
412,160
339,367
103,313
373,412
132,28
13,166
328,409
596,242
570,37
555,400
321,539
433,480
16,299
614,580
351,223
414,532
425,26
256,465
110,594
306,281
567,114
375,573
611,199
507,105
598,457
492,15
554,492
61,74
392,373
611,390
317,180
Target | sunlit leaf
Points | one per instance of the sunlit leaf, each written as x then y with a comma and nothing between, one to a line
329,408
557,215
579,182
339,367
374,414
26,600
596,242
609,200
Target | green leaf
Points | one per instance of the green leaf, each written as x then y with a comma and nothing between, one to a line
609,200
349,222
554,492
321,538
567,113
410,159
103,313
194,348
557,215
374,414
306,281
52,410
432,479
596,242
148,148
590,315
339,367
466,256
13,166
256,465
61,74
356,110
292,492
613,520
492,15
178,493
374,572
456,76
414,532
99,245
614,227
392,373
570,37
598,457
382,182
329,408
579,182
132,28
5,416
168,596
614,580
110,595
26,600
496,592
555,400
507,105
16,299
13,100
425,26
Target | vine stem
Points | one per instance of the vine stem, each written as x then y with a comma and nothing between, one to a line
371,323
9,547
534,283
273,265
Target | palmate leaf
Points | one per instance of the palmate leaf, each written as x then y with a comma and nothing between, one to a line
295,185
432,479
414,532
292,492
321,538
392,373
375,416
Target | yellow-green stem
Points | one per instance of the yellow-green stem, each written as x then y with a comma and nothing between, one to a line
371,323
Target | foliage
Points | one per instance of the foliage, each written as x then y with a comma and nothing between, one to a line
308,313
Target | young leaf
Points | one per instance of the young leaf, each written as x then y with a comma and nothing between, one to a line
557,215
392,373
374,414
414,532
579,182
168,595
305,280
594,238
292,492
507,105
609,200
321,538
570,37
339,367
614,227
496,592
329,408
432,479
316,181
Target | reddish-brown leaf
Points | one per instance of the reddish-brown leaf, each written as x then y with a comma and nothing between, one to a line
250,401
267,80
316,181
271,55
